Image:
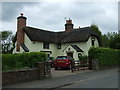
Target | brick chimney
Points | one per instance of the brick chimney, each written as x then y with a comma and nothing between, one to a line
21,22
68,26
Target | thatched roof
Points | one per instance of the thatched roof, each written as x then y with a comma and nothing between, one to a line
76,35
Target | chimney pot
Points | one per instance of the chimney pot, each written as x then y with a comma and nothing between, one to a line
68,26
21,14
69,21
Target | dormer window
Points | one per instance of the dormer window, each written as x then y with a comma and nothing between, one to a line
59,46
93,41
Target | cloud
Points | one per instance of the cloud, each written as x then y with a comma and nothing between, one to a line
119,17
50,15
11,9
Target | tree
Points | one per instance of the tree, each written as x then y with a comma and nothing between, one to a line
111,40
6,41
95,28
115,41
105,40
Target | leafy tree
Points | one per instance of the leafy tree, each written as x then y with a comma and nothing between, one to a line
111,40
105,41
115,42
6,41
95,28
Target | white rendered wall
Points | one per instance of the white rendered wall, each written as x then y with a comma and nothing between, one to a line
38,46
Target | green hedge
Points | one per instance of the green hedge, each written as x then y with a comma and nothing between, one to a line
22,60
105,56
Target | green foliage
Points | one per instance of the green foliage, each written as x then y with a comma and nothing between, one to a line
111,40
115,42
5,34
83,60
6,41
105,56
22,60
105,41
95,28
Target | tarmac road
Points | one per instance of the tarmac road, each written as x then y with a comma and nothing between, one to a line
0,80
109,80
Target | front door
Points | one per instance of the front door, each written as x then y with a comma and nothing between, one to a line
70,54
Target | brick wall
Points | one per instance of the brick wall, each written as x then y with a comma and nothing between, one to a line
21,22
12,77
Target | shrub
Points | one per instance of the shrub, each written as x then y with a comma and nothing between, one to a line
83,58
21,60
105,56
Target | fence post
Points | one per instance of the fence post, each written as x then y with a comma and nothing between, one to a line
41,66
90,63
72,66
96,64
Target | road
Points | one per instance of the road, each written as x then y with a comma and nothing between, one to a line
0,80
107,78
100,81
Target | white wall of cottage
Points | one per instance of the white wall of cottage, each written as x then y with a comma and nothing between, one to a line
38,46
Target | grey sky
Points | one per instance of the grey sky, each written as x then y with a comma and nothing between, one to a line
50,15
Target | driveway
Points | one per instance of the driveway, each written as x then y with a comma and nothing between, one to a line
63,72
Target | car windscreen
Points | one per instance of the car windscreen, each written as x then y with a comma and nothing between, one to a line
61,57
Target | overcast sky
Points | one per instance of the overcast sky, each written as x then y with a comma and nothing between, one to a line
51,15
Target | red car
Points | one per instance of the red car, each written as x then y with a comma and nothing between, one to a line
63,62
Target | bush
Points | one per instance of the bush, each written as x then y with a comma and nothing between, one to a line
105,56
21,60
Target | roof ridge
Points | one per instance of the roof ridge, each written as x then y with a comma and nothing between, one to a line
39,29
36,34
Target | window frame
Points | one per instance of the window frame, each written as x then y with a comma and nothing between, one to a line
59,46
46,45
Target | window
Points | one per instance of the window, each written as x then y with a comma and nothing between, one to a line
69,49
45,45
79,55
59,46
93,41
61,57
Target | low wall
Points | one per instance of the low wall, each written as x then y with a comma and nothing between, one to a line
12,77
